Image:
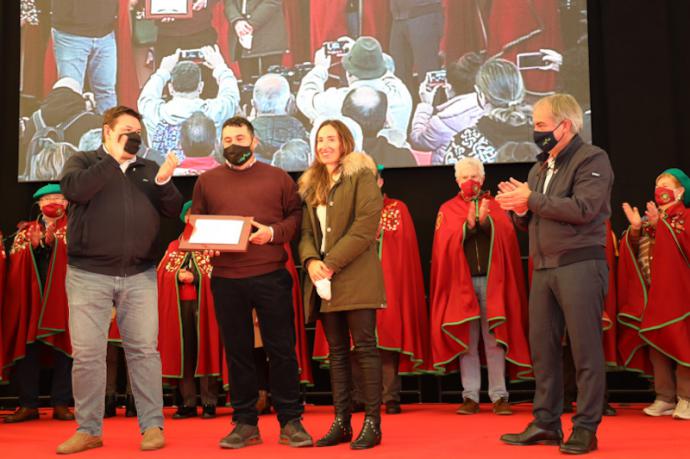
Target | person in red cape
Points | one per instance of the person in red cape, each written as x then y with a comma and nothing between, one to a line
188,337
477,287
402,329
661,261
35,311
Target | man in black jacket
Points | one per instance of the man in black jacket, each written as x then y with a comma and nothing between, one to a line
564,204
115,200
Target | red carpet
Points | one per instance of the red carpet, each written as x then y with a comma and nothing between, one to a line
434,431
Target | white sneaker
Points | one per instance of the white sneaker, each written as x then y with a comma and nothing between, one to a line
682,410
323,288
659,408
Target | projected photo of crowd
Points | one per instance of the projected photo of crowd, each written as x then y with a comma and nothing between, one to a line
418,82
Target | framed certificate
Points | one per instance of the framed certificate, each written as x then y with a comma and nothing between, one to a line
224,233
158,9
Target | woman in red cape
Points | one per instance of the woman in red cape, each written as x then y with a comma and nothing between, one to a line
453,300
665,320
402,327
35,309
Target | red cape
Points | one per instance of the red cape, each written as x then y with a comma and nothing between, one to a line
31,311
127,87
666,320
610,302
453,301
3,260
632,299
328,21
518,26
403,325
170,340
301,344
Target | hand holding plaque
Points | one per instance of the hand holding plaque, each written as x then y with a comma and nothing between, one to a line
216,233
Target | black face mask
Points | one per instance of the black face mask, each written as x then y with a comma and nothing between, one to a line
545,140
133,143
237,154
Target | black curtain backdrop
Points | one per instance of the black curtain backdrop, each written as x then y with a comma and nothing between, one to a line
639,77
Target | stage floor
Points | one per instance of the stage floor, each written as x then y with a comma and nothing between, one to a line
431,430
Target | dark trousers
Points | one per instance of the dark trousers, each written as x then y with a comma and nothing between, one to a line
570,377
208,384
414,46
361,326
391,380
271,295
569,296
27,374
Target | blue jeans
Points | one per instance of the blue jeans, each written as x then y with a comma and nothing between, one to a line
91,298
94,58
470,369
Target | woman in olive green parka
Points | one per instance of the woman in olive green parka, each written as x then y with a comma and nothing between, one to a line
339,232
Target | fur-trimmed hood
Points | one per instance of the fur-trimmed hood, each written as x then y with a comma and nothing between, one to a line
352,164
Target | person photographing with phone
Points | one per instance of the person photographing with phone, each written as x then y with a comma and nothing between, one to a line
116,200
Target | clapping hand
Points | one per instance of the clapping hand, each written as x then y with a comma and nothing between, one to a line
633,216
652,213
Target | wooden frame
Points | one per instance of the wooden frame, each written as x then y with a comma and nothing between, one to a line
240,246
184,11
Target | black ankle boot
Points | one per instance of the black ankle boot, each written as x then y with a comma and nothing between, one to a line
110,406
130,407
370,435
340,432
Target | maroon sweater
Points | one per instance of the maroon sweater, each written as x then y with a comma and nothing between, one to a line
263,192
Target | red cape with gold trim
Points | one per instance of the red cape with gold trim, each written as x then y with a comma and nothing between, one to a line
666,320
632,300
454,303
403,325
31,311
170,340
301,344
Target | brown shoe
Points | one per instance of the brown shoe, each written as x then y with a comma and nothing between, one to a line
79,442
468,406
62,413
153,439
22,414
502,407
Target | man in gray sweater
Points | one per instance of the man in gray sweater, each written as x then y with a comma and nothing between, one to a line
564,205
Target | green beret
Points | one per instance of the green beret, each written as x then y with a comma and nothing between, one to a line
185,208
51,188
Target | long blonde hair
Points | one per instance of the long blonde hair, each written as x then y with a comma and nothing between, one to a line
315,182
